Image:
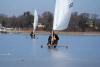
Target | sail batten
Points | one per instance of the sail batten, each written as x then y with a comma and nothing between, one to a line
62,14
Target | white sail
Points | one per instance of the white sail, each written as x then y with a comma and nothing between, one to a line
35,20
62,14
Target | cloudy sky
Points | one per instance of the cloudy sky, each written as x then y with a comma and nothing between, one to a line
17,7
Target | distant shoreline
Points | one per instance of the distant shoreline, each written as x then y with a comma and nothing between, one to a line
64,33
61,32
71,33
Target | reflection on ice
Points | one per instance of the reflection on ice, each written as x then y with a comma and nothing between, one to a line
5,54
56,53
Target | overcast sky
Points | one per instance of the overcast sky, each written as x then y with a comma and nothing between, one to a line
17,7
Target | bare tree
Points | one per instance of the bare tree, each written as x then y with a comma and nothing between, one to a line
48,20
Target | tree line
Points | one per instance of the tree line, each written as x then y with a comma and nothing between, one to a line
78,22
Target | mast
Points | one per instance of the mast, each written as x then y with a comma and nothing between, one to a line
62,15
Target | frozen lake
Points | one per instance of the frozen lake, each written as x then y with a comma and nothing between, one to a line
19,50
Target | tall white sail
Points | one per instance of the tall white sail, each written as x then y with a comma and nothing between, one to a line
35,20
62,14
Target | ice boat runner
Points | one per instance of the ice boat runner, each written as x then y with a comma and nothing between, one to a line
61,17
32,34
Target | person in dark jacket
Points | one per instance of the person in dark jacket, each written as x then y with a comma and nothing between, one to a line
53,39
32,35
